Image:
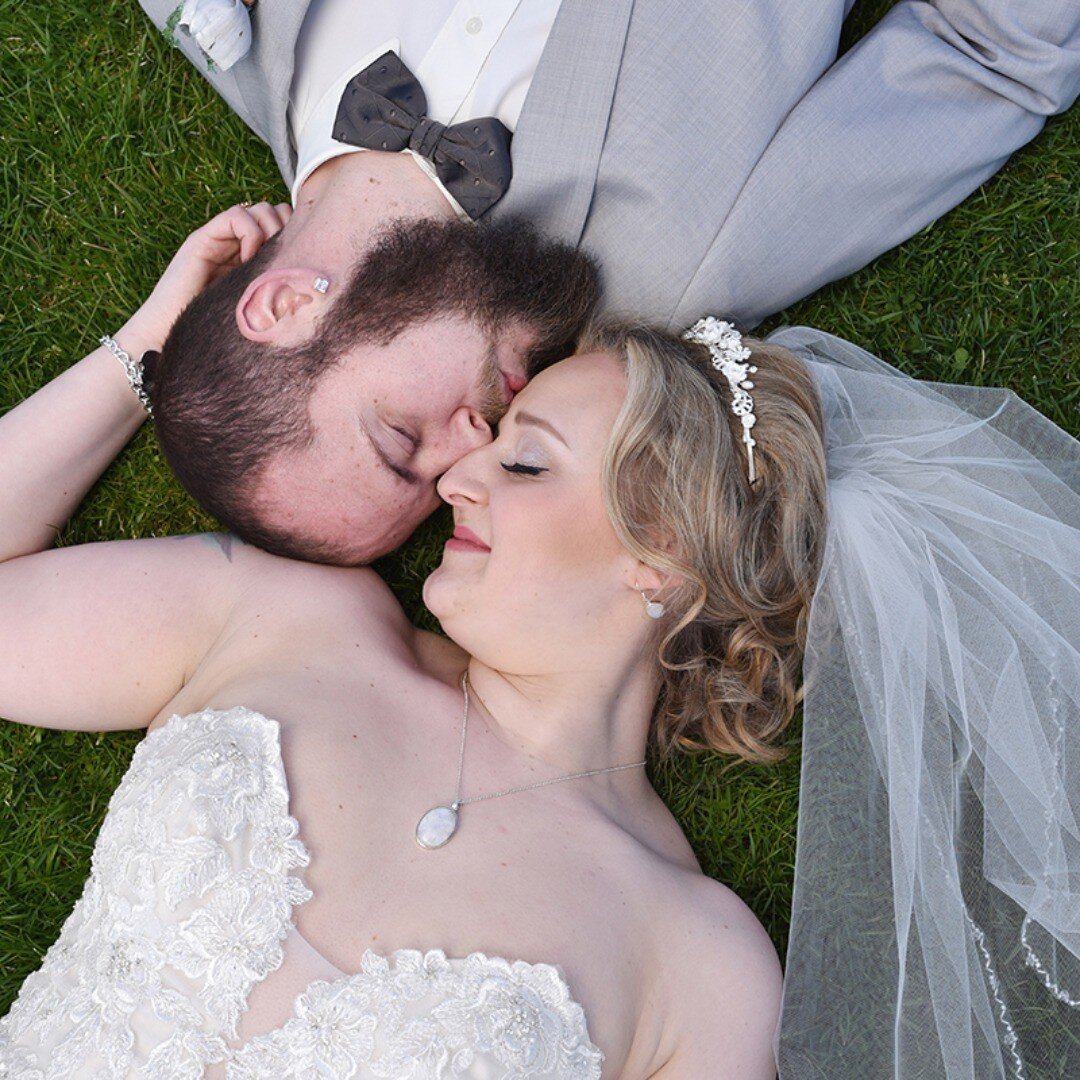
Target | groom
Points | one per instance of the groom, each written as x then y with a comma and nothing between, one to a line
713,156
708,154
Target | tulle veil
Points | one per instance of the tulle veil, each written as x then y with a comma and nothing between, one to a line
936,917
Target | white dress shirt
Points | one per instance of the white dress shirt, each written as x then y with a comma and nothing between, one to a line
472,57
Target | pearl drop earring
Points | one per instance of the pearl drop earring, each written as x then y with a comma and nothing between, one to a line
653,608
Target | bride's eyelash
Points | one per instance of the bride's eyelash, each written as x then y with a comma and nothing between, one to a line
524,470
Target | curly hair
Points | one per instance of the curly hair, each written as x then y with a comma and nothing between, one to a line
743,558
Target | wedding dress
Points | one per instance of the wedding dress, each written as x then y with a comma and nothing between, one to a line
185,933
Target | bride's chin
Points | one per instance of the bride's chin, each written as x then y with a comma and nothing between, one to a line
436,592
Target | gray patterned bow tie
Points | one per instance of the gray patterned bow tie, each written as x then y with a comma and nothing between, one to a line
383,108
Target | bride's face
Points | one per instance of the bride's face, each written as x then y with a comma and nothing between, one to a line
534,574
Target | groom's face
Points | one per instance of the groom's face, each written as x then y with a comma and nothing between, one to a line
387,422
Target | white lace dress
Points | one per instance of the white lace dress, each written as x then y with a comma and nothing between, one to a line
188,913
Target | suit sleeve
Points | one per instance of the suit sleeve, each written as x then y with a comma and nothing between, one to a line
922,110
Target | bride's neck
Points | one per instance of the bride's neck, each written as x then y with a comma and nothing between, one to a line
571,721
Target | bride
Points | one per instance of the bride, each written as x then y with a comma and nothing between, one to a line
347,847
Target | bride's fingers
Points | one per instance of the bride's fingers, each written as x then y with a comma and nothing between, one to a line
218,239
266,217
252,226
270,220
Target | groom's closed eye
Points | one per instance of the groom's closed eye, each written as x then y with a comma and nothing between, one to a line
387,461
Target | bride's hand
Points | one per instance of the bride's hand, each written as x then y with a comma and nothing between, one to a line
223,243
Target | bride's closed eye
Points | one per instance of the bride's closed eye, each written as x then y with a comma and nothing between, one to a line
522,470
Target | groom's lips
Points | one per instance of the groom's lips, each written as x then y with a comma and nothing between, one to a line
514,382
466,540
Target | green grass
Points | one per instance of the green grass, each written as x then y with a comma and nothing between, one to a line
112,148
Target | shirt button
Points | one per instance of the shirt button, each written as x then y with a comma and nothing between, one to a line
474,25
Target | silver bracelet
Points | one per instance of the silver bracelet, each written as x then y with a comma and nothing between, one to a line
132,368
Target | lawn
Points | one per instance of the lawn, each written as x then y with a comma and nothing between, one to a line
112,147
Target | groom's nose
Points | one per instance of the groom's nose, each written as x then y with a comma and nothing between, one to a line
465,431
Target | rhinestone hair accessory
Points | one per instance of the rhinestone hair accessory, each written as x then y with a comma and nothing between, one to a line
729,357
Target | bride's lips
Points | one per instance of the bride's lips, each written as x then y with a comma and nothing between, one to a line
466,540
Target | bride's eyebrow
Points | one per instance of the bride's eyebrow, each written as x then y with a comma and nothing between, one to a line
536,421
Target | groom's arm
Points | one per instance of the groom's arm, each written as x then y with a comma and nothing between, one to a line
903,127
256,87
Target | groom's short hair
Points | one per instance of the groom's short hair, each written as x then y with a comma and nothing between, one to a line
224,405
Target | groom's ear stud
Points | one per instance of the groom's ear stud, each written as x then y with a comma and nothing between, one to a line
320,285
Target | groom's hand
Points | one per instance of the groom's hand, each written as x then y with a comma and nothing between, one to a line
222,244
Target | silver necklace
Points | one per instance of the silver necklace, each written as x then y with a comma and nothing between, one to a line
436,827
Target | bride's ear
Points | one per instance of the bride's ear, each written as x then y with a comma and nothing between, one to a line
280,306
647,579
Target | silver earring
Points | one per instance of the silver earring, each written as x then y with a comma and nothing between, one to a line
653,608
321,285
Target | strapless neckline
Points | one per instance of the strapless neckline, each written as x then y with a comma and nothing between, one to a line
390,959
186,932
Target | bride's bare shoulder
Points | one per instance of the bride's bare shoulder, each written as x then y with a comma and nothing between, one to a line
300,595
722,981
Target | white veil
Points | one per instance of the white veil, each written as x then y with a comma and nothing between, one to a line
936,917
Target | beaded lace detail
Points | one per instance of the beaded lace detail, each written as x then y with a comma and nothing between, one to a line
190,897
488,1012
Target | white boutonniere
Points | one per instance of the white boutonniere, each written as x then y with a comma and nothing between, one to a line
221,28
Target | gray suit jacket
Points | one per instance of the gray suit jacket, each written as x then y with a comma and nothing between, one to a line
713,155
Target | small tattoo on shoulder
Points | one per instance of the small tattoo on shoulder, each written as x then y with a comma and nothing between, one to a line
224,541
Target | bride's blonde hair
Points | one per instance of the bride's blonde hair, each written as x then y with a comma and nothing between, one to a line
743,559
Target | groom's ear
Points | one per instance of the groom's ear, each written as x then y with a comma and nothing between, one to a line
280,306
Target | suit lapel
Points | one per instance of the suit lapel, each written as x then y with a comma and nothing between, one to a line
560,133
264,81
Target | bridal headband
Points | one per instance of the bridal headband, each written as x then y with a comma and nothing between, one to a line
729,357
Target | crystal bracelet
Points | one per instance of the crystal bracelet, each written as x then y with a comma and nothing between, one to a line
132,368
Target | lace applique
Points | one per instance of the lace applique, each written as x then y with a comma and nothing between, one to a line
189,901
515,1015
189,898
234,940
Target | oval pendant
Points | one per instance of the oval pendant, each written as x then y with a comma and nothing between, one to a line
436,827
